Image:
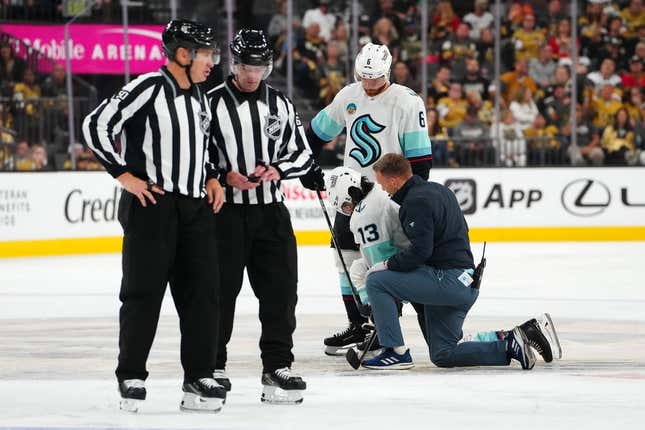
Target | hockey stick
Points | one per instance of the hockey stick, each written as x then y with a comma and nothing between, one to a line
363,309
353,358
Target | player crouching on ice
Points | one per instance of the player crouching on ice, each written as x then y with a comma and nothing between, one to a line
377,228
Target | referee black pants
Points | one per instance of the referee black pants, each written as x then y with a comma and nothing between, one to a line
172,241
259,238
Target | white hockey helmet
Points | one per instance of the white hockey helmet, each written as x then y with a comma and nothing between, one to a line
374,61
338,183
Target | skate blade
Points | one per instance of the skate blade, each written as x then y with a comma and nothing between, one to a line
547,325
338,351
130,405
272,395
196,403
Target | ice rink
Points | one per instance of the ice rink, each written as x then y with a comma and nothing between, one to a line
58,337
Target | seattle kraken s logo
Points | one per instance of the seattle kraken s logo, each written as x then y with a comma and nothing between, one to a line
367,150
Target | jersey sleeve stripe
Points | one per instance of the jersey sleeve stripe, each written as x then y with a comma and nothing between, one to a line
325,127
416,143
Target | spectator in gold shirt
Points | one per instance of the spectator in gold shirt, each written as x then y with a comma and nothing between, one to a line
542,146
513,82
618,139
528,39
633,16
605,106
452,109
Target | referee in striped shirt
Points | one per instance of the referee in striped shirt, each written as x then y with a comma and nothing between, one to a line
162,161
260,142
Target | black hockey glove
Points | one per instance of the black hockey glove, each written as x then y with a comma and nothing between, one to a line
314,179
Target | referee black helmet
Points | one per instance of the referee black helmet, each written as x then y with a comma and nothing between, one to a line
190,35
251,47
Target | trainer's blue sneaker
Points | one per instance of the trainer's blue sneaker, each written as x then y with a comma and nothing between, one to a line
518,348
390,360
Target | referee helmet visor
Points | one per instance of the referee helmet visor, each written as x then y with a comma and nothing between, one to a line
191,36
251,48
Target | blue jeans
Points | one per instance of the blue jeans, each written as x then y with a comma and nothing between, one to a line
446,302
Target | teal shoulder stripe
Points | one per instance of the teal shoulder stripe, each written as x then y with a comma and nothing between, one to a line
325,127
416,144
379,252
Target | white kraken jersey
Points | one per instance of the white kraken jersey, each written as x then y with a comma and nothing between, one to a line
393,121
376,227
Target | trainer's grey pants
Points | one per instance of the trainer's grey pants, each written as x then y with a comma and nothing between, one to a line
446,302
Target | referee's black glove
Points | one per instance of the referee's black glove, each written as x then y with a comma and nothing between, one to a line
314,179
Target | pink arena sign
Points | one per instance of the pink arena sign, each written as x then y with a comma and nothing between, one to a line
96,48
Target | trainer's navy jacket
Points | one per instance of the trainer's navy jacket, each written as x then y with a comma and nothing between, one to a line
432,219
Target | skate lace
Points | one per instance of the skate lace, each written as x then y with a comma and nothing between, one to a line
283,373
208,382
536,346
134,383
343,332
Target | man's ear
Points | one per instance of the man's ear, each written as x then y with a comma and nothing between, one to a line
182,56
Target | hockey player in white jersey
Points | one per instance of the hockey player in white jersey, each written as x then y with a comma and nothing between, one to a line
379,117
376,227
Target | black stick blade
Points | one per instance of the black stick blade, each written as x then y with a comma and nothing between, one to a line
352,358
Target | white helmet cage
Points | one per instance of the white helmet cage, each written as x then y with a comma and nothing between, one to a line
374,61
338,183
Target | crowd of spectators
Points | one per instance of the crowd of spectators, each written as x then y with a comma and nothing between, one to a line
34,117
534,126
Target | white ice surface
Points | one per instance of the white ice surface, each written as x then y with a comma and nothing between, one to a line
58,332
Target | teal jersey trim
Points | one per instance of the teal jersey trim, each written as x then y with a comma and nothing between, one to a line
416,144
325,127
345,289
379,252
485,336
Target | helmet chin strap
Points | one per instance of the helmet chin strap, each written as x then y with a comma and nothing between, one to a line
188,66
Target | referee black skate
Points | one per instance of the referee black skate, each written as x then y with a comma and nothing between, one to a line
162,120
261,142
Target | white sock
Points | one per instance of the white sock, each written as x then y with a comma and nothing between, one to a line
400,349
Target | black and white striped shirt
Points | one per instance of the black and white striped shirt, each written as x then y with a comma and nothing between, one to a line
249,128
164,133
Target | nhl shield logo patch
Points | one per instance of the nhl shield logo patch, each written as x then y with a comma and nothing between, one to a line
204,121
272,126
351,108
